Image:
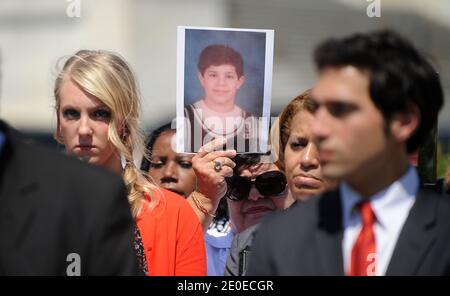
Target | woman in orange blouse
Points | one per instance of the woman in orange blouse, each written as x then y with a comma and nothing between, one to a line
171,247
97,107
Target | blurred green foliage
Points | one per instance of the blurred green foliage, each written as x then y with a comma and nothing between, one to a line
443,159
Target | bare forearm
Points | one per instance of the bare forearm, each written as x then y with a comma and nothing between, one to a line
204,207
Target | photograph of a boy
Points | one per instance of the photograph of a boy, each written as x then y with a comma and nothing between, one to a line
221,75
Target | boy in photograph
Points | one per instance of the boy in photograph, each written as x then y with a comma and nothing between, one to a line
221,75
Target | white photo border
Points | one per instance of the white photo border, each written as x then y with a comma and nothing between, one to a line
263,131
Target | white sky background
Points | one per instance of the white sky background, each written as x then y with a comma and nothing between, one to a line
34,34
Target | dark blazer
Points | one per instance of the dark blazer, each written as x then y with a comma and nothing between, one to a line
307,239
237,260
52,205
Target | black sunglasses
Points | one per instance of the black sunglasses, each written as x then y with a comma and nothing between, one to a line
268,184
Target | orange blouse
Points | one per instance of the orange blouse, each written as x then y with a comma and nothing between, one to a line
172,237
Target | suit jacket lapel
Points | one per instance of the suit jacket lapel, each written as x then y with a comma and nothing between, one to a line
415,238
329,234
18,184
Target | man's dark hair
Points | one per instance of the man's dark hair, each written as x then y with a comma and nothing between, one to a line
216,55
145,164
399,75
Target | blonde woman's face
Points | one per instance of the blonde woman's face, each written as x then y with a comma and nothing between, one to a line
83,125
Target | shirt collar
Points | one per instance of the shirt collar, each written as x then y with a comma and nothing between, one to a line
222,240
385,202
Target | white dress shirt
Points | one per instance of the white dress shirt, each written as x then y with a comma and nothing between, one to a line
391,207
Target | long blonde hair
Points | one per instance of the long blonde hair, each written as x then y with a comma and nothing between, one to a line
108,77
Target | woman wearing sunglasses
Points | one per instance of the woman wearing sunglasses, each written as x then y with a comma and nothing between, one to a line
256,188
298,158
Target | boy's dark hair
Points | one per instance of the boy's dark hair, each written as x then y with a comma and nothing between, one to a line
217,55
145,164
399,75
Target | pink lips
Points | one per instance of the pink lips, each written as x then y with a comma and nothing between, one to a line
84,148
221,92
305,181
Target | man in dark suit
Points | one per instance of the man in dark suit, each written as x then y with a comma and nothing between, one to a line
59,216
377,98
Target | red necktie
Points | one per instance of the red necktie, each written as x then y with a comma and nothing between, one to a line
364,252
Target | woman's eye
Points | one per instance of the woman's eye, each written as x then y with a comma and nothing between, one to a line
299,144
102,114
185,164
71,114
156,165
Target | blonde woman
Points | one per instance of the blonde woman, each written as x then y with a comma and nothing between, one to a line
97,107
